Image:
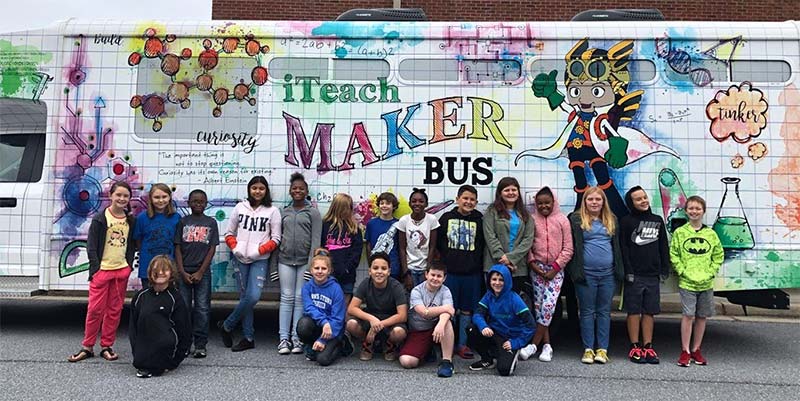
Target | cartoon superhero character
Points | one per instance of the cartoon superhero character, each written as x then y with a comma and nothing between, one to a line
597,100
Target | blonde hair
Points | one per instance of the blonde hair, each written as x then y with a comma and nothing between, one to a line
160,263
170,209
323,255
340,214
606,217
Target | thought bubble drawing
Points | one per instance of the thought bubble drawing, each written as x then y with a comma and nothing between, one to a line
739,112
737,161
757,151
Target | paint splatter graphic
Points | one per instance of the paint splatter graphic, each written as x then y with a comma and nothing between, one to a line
783,179
757,151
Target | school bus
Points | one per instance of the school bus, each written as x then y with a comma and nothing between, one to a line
680,108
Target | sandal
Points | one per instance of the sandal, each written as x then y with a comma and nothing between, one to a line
108,354
81,355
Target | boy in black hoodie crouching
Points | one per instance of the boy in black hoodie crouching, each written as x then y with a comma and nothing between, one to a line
645,252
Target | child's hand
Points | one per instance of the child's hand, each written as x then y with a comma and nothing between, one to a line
370,338
318,346
196,276
375,324
507,346
187,278
438,333
327,333
550,275
487,332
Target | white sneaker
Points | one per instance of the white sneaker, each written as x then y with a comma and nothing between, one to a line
547,353
285,347
527,352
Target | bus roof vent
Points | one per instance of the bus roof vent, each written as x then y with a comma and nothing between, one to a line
646,14
383,14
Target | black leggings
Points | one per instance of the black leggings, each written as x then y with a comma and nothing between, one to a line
309,331
490,348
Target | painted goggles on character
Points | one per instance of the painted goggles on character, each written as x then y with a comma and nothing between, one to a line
595,69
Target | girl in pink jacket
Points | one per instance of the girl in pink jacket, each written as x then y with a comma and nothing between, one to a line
551,250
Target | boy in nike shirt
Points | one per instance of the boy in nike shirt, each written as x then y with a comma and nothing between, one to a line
645,254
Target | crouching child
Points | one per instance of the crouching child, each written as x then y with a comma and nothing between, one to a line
502,324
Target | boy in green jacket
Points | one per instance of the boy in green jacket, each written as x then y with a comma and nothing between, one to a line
696,255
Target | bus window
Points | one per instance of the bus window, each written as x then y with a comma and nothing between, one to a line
298,67
492,70
22,140
360,69
169,110
777,71
640,70
427,69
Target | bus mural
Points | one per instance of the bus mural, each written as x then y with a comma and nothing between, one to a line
366,107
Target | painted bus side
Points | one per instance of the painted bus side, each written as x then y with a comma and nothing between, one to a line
702,108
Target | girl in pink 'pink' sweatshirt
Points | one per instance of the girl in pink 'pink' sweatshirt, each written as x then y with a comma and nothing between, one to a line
551,250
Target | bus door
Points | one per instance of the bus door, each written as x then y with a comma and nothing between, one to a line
22,151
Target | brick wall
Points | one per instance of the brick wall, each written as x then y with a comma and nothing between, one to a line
509,10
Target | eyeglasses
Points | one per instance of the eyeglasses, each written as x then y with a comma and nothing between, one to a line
596,69
681,62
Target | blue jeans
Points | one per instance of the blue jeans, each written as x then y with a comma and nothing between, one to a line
250,279
197,297
594,298
291,307
417,276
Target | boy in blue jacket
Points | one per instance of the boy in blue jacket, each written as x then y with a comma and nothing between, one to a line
321,329
502,324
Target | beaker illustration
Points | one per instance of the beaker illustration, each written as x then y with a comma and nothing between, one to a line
673,199
731,224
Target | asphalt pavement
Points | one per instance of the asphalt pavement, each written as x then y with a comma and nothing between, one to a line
750,358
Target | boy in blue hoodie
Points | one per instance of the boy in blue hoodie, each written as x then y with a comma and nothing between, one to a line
321,329
502,324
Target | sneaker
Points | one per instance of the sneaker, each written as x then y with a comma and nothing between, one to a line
297,347
389,353
636,354
588,356
200,353
650,355
143,374
601,356
366,352
481,365
311,355
547,353
445,369
527,351
698,359
227,338
243,344
513,363
684,359
464,352
284,347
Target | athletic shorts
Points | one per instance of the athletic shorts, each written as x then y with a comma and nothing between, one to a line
642,296
418,344
697,303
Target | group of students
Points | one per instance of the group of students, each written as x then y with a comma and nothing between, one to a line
444,263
